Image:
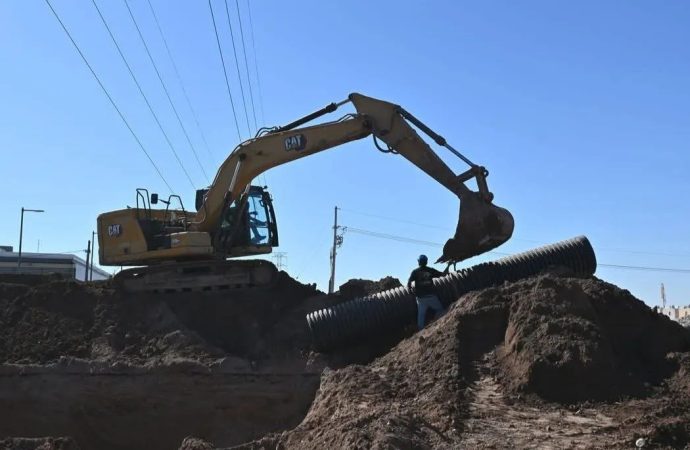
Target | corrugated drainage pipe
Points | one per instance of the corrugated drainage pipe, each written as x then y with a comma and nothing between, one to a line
393,309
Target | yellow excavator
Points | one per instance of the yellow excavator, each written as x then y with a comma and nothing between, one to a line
179,250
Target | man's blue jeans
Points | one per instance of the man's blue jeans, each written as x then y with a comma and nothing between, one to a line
423,305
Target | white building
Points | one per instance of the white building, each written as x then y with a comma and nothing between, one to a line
676,312
67,265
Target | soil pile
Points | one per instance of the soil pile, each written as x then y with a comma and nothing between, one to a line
42,323
357,287
38,444
116,371
487,372
552,361
576,340
29,279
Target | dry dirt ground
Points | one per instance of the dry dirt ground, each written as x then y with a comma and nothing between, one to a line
548,362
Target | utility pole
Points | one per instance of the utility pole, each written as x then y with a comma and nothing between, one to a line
21,234
663,296
93,252
337,242
86,268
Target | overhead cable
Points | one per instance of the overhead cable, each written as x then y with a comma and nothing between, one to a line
225,72
179,79
246,63
256,65
426,225
165,89
141,91
237,66
436,244
105,91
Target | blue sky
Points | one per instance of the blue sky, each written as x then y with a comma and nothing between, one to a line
580,110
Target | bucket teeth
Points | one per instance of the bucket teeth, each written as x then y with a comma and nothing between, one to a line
482,226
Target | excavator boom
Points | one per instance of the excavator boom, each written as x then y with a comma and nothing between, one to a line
481,227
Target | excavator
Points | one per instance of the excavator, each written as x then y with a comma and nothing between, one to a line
175,249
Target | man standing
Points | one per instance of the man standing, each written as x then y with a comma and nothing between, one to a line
425,292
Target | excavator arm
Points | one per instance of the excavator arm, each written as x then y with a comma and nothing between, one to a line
482,226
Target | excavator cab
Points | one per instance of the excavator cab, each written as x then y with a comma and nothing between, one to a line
248,224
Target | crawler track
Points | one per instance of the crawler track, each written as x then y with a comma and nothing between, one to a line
198,276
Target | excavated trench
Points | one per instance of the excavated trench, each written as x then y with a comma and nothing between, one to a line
130,407
120,372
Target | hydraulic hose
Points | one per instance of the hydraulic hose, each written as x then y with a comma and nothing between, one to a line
391,310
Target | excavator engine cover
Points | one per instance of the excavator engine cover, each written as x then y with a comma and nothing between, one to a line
482,226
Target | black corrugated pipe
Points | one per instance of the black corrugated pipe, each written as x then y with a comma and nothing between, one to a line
395,308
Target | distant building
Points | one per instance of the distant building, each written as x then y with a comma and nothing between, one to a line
676,313
67,265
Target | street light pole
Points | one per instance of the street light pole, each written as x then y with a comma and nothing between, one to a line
21,234
93,253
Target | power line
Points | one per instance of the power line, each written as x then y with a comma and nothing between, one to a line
644,252
321,247
392,219
165,89
237,66
256,69
246,64
392,237
652,269
141,91
105,91
534,241
435,244
225,72
256,65
179,78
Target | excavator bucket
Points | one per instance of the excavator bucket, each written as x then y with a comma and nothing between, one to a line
482,226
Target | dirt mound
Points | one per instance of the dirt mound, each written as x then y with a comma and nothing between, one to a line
192,443
29,279
117,371
412,397
57,319
549,361
462,381
357,287
48,443
573,340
